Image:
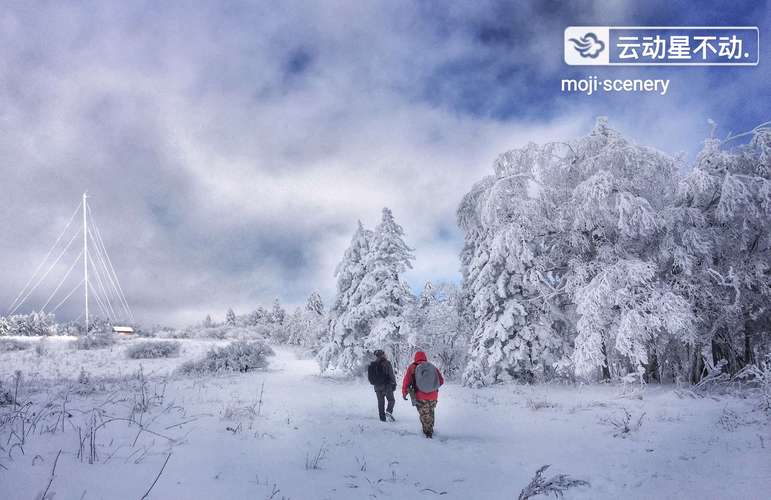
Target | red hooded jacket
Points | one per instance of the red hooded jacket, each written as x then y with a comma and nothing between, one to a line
420,357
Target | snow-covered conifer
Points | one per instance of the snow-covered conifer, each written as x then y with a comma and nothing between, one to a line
315,304
369,307
230,318
277,314
342,350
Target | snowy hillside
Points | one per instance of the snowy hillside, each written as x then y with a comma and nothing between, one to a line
308,437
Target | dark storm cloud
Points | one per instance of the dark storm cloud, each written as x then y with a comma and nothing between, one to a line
229,148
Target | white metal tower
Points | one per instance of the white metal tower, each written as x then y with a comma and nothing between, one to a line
85,257
100,282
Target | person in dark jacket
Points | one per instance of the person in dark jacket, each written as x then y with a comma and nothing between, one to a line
425,401
382,378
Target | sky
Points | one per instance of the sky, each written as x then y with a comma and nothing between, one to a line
229,148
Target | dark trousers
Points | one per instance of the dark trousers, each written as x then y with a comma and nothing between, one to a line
382,396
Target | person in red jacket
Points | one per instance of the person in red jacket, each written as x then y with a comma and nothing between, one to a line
425,401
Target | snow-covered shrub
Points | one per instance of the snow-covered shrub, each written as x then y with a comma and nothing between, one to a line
153,349
10,345
215,332
6,397
86,383
41,347
757,378
239,356
556,484
95,341
246,333
625,425
729,420
313,460
539,404
84,377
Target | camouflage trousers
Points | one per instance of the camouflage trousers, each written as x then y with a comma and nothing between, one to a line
426,413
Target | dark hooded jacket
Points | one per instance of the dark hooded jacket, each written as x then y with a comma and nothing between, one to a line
389,369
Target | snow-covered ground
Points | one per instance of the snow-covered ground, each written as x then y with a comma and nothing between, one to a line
319,438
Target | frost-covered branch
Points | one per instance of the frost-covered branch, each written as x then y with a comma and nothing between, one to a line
556,485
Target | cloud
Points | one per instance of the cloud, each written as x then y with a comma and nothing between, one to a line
231,148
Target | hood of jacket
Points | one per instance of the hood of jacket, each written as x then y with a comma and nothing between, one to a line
420,357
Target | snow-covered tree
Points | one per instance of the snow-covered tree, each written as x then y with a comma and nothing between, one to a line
369,308
721,251
384,291
625,307
620,278
502,224
438,325
258,316
343,349
314,304
230,318
427,296
277,314
294,327
306,326
32,324
564,248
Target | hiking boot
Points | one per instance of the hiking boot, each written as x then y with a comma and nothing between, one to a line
390,417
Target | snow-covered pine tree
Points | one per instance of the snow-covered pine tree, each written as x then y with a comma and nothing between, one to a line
314,320
384,293
342,350
506,226
230,318
294,327
427,295
258,317
277,314
417,315
315,304
372,295
306,326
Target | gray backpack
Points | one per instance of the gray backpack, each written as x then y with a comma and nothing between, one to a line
426,377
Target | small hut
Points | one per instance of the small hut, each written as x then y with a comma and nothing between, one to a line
123,330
